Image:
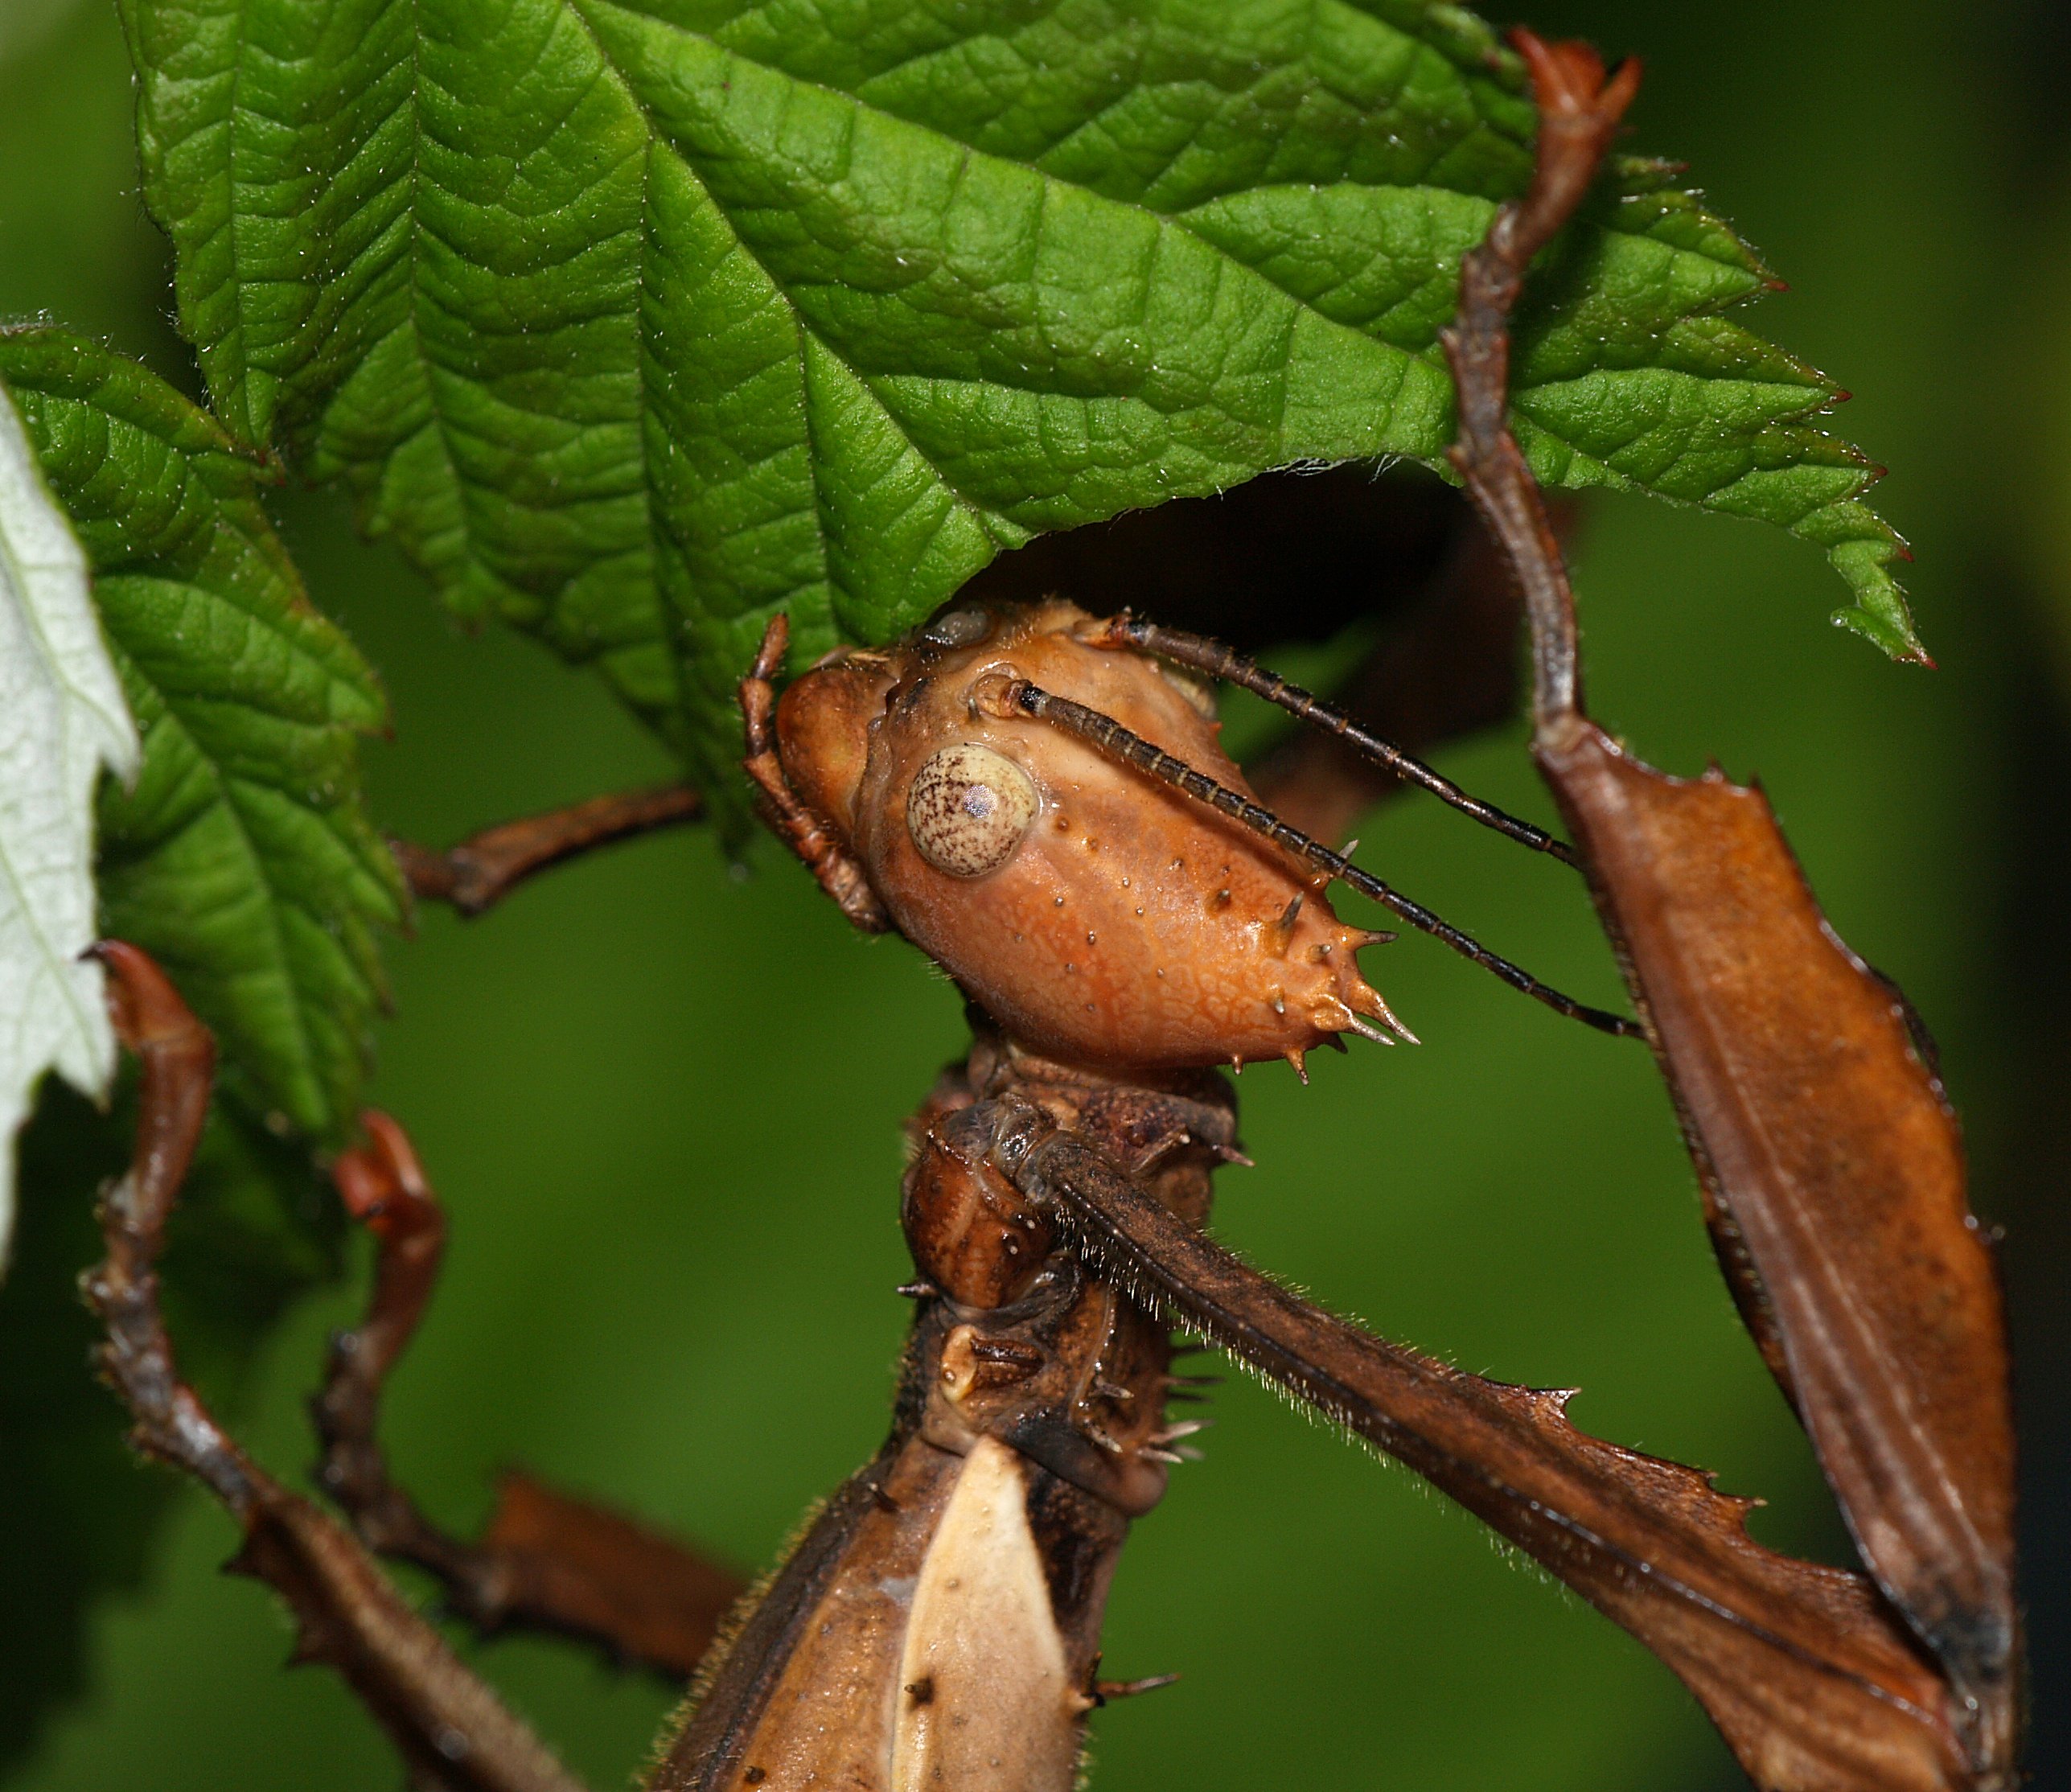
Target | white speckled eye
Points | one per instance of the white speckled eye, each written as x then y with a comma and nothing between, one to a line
969,808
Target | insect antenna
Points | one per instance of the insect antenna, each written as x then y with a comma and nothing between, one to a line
1210,656
1111,737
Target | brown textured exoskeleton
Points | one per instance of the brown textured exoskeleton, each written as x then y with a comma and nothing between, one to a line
1037,799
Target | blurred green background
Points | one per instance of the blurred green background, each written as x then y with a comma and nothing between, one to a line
662,1101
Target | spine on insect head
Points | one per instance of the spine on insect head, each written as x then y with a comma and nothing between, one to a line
1078,885
938,1623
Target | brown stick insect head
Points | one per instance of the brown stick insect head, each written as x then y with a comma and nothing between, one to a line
1101,914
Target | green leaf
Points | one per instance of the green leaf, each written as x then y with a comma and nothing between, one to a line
242,858
634,321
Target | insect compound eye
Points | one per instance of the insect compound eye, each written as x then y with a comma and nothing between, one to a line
969,808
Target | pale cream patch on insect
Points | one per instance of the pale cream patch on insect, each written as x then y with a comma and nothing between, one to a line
1198,691
985,1701
969,808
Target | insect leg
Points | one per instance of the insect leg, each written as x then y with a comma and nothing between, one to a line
451,1728
789,819
485,868
1807,1672
547,1561
1832,1167
1578,114
1218,661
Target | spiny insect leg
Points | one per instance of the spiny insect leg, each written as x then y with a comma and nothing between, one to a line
1650,1543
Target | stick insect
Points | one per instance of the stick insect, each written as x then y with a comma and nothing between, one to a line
1036,798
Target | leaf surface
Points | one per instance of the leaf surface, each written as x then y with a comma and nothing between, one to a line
242,856
61,720
634,321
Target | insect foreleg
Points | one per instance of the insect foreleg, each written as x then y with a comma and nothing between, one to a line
547,1561
485,868
1806,1671
449,1725
1832,1167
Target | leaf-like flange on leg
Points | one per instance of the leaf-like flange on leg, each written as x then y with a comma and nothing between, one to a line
452,1730
1832,1165
1805,1671
1827,1148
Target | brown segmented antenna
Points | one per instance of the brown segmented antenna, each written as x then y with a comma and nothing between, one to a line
1112,738
1204,655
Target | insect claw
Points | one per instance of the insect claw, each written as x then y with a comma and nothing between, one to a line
1105,1690
917,1291
1354,1024
1156,1153
1109,1390
1296,1057
1230,1154
1158,1455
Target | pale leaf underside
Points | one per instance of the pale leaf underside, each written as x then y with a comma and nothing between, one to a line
61,720
240,856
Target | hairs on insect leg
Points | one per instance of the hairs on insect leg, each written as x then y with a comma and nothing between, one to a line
1121,1272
